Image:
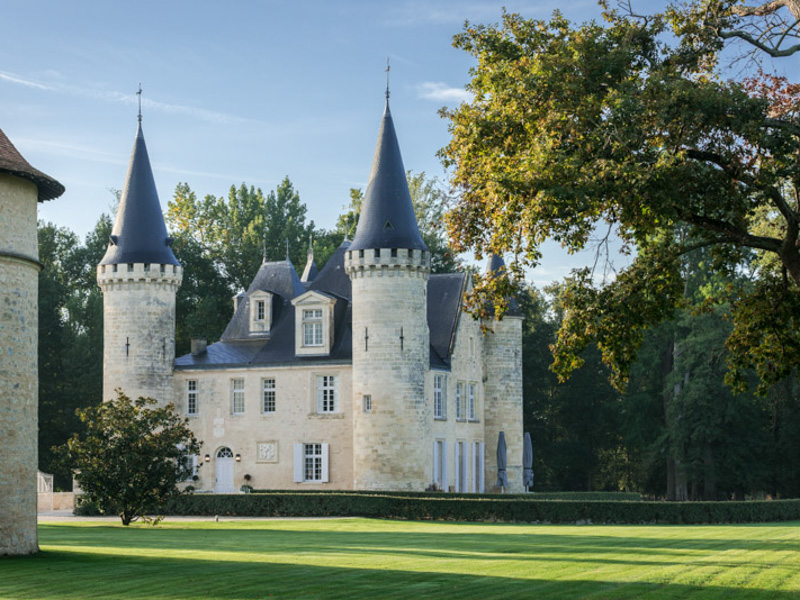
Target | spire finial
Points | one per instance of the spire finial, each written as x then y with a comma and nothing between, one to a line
387,79
139,93
311,244
263,251
287,250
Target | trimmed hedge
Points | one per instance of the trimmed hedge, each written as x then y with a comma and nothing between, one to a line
617,496
449,508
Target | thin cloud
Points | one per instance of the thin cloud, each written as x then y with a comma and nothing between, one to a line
114,96
11,78
441,92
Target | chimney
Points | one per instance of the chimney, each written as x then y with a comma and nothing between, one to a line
199,345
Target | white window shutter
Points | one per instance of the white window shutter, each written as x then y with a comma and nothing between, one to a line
298,463
457,456
325,455
473,459
436,463
445,478
481,468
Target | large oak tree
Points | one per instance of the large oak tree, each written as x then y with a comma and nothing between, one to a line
629,127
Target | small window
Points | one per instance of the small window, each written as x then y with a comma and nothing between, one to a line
367,403
312,327
130,267
472,347
327,394
377,253
163,268
313,462
438,396
394,252
460,408
238,396
360,254
191,397
114,268
268,396
260,310
471,401
146,267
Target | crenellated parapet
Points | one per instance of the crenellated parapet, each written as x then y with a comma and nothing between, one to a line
136,276
387,262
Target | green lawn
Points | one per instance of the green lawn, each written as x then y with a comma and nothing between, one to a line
360,558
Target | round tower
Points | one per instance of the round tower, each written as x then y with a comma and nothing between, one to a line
21,188
502,369
389,265
139,276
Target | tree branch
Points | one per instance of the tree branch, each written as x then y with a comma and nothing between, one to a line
774,52
759,11
734,234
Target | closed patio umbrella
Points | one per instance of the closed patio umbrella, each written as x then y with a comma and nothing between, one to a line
502,478
527,462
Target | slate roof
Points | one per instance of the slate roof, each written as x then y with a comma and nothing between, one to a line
12,162
139,234
239,348
387,217
278,278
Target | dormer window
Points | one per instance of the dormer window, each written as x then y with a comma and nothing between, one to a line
313,332
260,311
312,327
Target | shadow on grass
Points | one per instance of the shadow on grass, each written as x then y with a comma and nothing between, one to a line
65,575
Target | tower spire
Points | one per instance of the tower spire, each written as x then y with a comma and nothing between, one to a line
139,93
388,67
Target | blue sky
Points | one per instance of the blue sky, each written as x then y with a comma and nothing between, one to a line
236,92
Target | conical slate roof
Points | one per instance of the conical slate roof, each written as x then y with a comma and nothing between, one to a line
139,234
12,162
495,265
387,217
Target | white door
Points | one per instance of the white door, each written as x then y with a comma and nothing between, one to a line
224,464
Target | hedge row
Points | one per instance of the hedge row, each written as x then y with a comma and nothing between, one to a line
480,508
629,496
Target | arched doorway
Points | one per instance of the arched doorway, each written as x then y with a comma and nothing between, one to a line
224,464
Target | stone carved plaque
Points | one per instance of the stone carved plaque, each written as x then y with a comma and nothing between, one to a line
267,452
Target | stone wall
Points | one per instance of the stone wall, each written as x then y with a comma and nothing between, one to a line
391,361
295,421
503,385
139,329
19,386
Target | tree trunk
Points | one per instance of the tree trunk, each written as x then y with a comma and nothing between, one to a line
667,361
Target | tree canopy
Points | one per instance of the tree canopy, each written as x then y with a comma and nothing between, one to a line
132,455
630,127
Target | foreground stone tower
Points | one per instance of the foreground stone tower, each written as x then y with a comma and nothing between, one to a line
21,188
139,276
503,388
389,265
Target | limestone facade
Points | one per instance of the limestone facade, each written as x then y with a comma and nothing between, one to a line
139,328
19,387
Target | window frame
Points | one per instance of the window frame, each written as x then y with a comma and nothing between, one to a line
237,393
439,396
269,396
472,401
313,324
327,384
460,402
191,398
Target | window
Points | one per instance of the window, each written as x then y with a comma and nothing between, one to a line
146,267
472,347
268,396
311,463
461,465
238,396
260,310
327,394
312,327
130,267
367,403
471,402
460,407
191,397
438,396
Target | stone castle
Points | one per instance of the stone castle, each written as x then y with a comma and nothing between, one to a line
22,187
365,374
